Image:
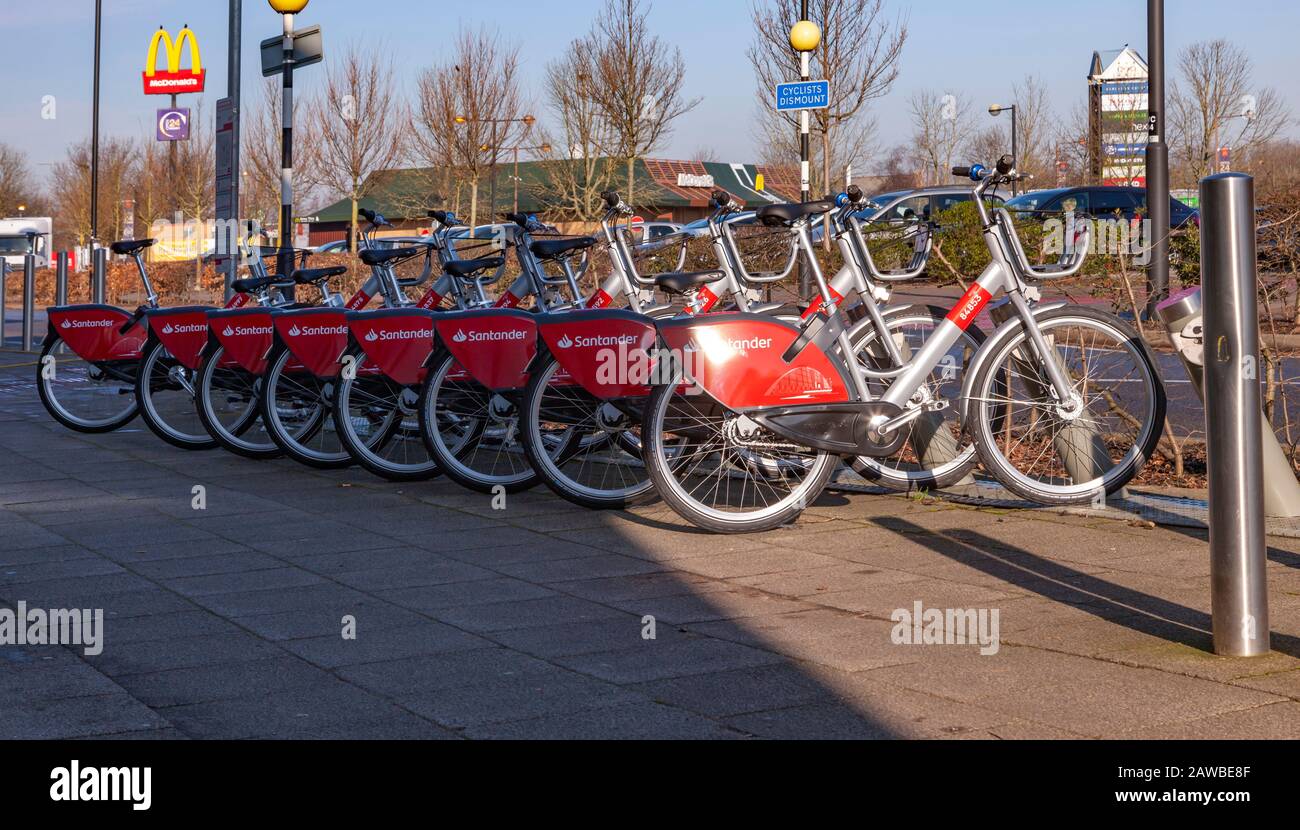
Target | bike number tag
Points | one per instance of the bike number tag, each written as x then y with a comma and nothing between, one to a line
969,306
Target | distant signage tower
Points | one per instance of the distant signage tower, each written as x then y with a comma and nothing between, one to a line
1117,118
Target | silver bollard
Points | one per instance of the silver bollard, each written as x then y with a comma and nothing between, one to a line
99,276
1239,591
61,278
1183,319
29,300
4,288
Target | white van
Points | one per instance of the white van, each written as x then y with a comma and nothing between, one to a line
20,235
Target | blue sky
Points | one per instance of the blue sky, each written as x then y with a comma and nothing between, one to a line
48,51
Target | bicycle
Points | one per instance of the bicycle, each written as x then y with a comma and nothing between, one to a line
802,402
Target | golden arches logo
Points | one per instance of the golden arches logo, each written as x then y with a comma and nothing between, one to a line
173,81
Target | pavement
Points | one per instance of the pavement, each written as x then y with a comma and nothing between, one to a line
535,621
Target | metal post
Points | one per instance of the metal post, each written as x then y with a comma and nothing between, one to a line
285,264
1239,598
29,299
1015,147
1157,167
99,276
94,136
234,38
4,286
61,278
805,177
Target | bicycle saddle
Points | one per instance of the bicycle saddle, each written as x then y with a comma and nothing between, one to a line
679,282
308,276
466,268
248,285
127,247
377,256
560,248
788,214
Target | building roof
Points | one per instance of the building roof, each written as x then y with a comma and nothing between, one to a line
1117,64
660,184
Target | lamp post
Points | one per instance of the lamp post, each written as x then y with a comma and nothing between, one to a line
805,36
94,137
539,148
528,121
287,9
995,111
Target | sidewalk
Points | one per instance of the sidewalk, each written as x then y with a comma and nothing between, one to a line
528,622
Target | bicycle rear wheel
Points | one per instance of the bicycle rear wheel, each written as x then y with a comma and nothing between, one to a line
473,432
1074,451
87,397
586,450
227,397
377,420
166,392
295,408
722,472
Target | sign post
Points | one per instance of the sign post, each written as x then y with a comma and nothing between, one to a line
1157,159
805,36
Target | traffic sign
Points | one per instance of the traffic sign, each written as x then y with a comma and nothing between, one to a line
306,51
803,95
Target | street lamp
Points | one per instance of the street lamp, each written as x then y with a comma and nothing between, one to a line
287,9
544,147
995,111
805,36
21,210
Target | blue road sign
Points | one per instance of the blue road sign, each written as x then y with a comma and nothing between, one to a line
803,95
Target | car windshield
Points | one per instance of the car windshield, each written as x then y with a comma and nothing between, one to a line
13,244
1032,201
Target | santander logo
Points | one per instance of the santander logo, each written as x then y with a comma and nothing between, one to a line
372,336
295,331
167,329
86,324
564,342
228,331
459,336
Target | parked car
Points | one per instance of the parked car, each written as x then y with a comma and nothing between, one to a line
1100,202
700,227
926,203
650,231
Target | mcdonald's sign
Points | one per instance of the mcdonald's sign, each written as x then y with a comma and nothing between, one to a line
173,81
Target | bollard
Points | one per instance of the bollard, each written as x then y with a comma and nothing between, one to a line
1239,592
1182,317
61,278
29,300
99,275
4,287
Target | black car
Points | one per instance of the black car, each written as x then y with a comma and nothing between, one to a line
1101,202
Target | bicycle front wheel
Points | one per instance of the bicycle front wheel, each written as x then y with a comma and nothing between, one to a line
295,408
87,397
1073,451
227,398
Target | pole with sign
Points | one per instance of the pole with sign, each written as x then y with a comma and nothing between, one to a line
804,38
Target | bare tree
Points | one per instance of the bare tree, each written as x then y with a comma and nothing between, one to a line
467,108
859,52
259,190
987,146
70,180
1216,103
195,187
636,82
1036,126
358,126
16,184
940,123
575,172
